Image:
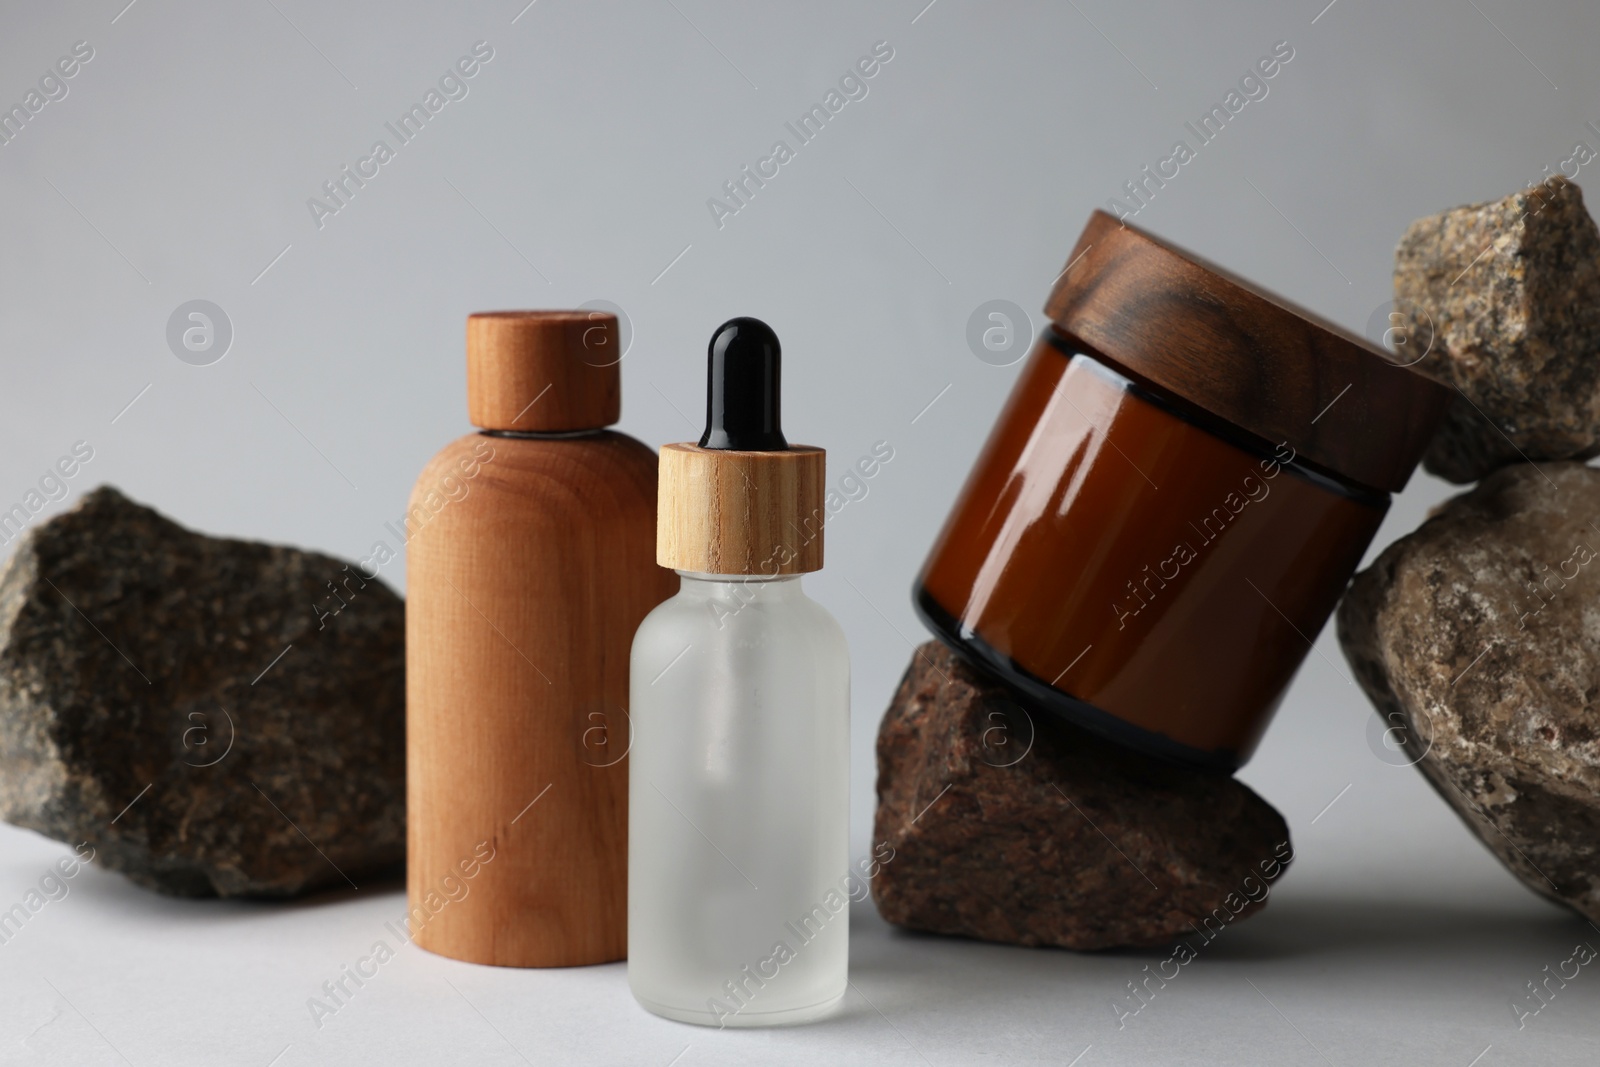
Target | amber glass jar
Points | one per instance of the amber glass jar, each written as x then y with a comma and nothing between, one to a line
1172,501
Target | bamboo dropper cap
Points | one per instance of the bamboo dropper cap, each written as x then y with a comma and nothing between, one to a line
543,371
742,500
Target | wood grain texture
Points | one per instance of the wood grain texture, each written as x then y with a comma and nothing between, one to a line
543,371
730,512
523,597
1244,356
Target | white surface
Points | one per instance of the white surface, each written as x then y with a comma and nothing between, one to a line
1374,951
179,165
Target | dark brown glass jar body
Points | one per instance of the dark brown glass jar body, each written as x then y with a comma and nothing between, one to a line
1128,561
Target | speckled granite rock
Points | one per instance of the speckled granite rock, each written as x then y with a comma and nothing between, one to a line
1477,637
144,707
1013,828
1511,292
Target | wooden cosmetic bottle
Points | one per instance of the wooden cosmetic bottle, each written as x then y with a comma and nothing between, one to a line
531,562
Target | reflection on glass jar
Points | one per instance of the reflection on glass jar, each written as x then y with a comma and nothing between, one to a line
1136,548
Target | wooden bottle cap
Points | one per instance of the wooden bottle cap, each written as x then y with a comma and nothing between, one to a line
1245,356
543,371
722,511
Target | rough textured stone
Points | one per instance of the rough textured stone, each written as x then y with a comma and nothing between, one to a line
138,710
1010,827
1510,293
1478,639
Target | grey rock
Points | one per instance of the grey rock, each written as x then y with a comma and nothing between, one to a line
1001,824
1509,293
145,709
1478,639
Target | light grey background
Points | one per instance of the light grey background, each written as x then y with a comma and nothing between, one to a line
578,167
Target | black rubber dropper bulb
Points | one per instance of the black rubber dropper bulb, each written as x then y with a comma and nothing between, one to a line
742,379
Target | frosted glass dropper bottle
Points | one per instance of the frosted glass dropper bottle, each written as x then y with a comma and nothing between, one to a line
740,703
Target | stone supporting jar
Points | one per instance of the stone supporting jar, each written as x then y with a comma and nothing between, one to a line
1184,478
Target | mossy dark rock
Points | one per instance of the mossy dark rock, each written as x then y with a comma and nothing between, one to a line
193,708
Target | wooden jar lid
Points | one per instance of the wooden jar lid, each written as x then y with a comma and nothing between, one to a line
1245,356
543,371
721,511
